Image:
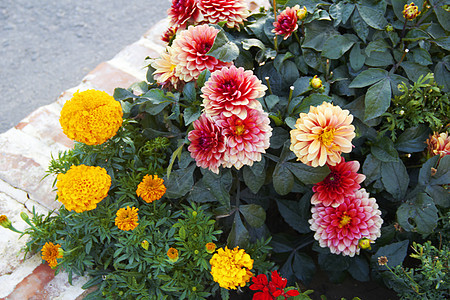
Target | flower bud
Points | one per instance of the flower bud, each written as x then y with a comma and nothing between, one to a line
301,13
316,83
5,222
410,11
389,28
364,243
194,213
210,247
24,216
145,244
172,253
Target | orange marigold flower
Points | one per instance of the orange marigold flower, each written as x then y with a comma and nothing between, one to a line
172,253
321,135
51,253
151,188
164,66
82,187
231,268
410,11
189,52
234,12
127,218
91,117
210,247
286,22
439,144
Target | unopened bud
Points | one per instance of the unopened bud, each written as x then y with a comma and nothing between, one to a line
316,83
364,243
145,244
24,216
5,222
301,13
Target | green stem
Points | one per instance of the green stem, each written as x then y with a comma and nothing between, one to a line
268,85
291,90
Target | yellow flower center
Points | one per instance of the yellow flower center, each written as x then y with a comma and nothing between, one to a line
239,129
327,136
344,220
172,67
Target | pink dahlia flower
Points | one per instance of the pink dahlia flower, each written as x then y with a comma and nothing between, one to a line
234,12
342,181
340,228
190,48
246,139
182,11
286,22
208,144
231,91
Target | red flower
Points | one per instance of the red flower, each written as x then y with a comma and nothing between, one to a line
286,22
233,12
182,10
342,182
271,290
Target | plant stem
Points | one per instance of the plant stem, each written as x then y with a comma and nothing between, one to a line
297,38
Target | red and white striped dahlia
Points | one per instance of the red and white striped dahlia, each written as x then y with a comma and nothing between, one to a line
286,22
189,52
182,10
231,91
246,139
342,181
340,228
234,12
208,144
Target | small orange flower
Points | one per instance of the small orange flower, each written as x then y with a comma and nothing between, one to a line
4,221
50,253
439,144
210,247
410,11
151,188
127,218
172,253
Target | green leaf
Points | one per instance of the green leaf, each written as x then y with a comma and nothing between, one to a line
378,99
442,73
248,43
379,45
296,213
271,101
280,59
283,180
357,58
419,215
189,92
301,85
368,77
395,178
314,60
223,49
443,42
304,267
316,33
341,12
359,269
439,195
253,182
219,185
121,94
336,45
191,114
279,137
174,155
395,253
414,70
372,169
360,27
425,171
415,35
202,78
413,139
307,174
442,176
384,150
239,235
311,100
441,14
180,182
379,59
372,12
289,72
254,214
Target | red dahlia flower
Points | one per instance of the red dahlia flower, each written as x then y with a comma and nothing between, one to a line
340,183
271,290
234,12
231,91
340,228
208,144
286,22
182,10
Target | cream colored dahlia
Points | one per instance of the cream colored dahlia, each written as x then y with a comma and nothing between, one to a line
231,91
164,66
234,12
189,52
321,135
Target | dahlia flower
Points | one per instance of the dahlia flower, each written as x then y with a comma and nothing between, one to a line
321,135
50,253
341,228
127,218
182,11
169,34
234,12
82,187
231,268
189,52
164,66
246,139
410,11
91,117
342,181
286,22
208,144
231,91
151,188
271,290
439,144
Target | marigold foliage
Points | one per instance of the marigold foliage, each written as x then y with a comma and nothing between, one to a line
91,117
82,187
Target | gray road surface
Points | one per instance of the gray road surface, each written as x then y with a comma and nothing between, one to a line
48,46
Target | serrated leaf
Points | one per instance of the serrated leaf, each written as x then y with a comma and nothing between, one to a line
379,59
379,45
418,215
442,73
254,214
378,99
304,267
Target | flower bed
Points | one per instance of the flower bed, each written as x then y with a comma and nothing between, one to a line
301,137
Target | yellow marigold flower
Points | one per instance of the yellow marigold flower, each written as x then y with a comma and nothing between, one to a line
172,253
4,221
439,144
210,247
50,253
410,11
321,135
151,188
127,218
301,13
231,268
315,83
91,117
82,187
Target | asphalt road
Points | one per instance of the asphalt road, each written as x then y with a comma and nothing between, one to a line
48,46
